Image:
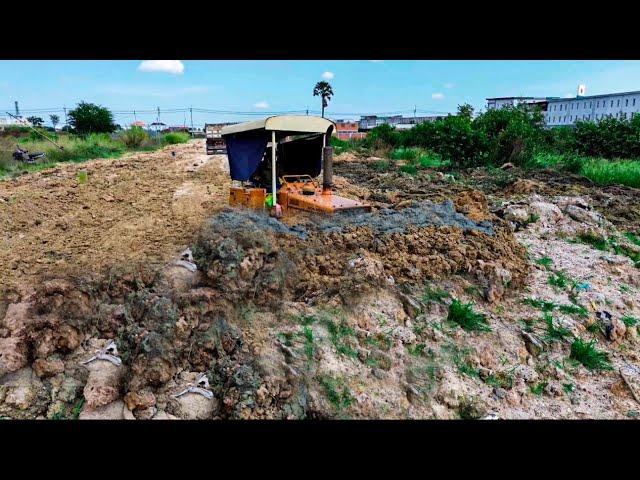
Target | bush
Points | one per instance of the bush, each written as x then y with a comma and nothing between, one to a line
175,137
134,137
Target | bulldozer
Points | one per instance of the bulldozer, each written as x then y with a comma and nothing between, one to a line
275,162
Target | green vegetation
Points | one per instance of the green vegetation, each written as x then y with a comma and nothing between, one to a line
464,315
416,350
540,304
434,294
630,321
606,152
337,391
77,148
89,118
546,262
538,389
340,333
573,309
309,348
173,138
589,356
559,280
553,332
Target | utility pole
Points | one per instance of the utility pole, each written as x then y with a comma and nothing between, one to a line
414,114
134,116
307,110
191,112
65,116
158,124
17,109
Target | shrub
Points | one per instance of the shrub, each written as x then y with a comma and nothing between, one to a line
175,137
134,137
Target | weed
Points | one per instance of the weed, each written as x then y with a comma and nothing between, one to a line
416,350
606,172
77,408
337,392
568,387
538,389
543,305
553,332
572,309
286,338
635,239
595,241
434,294
410,169
624,288
559,280
546,262
532,218
589,356
469,409
463,315
308,344
338,332
629,321
382,165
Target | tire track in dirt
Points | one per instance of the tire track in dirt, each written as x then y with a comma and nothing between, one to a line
135,211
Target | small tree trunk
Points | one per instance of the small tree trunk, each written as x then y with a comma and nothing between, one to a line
322,107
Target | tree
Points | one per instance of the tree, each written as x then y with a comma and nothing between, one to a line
35,121
55,119
465,110
91,118
323,89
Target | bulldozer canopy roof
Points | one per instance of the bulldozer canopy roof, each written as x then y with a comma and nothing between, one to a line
283,123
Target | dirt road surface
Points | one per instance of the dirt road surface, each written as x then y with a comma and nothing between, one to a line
137,210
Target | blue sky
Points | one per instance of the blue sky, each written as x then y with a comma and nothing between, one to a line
360,86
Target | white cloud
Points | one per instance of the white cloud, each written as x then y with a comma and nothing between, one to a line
449,85
175,67
376,61
437,96
328,75
261,104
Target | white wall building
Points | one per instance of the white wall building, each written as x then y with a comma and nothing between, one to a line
6,121
592,108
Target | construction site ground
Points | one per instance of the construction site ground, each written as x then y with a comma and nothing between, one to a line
309,317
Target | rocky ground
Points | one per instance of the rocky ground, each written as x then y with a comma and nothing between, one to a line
194,310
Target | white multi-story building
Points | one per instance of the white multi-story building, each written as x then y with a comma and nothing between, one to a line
592,108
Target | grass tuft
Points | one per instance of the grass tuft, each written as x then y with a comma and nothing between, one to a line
587,354
464,315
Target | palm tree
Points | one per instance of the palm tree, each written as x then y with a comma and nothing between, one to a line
323,89
54,120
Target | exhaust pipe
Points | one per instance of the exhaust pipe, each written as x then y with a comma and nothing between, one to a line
327,170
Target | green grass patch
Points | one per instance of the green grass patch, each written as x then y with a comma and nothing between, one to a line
309,348
416,350
410,169
339,332
612,172
538,389
336,391
553,332
559,280
546,262
434,294
464,315
573,309
174,138
540,304
630,321
587,354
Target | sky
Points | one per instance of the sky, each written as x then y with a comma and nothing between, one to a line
261,87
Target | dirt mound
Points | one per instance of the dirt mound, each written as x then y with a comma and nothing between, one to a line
249,256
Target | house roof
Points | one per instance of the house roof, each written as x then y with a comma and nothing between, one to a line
558,99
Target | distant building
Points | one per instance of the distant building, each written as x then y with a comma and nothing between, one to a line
348,129
502,102
398,121
592,108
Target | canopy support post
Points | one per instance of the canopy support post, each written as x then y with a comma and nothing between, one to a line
273,168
